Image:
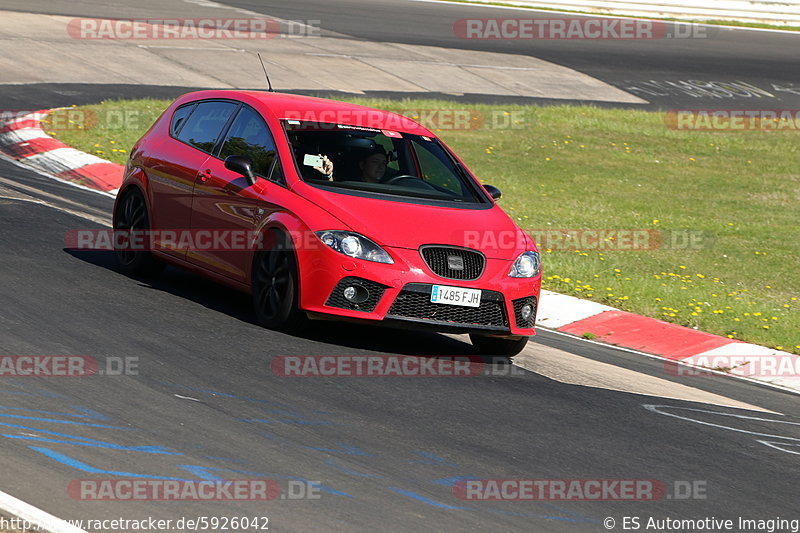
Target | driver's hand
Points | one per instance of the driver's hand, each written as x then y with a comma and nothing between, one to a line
326,167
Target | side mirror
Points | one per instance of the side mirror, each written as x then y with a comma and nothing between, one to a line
493,191
241,164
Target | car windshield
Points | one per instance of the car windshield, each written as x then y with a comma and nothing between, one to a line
370,162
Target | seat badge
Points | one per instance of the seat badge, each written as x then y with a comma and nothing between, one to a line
455,262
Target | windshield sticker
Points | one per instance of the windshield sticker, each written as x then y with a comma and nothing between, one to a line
360,128
390,133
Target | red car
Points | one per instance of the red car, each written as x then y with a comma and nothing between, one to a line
323,209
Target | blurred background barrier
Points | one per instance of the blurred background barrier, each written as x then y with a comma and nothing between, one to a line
782,12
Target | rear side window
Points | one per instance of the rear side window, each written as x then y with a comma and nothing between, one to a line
249,136
179,117
203,127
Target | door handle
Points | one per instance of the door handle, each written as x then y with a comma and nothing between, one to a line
204,175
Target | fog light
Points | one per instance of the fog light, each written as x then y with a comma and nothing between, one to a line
355,294
526,311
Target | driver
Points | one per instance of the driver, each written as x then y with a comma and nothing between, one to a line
372,165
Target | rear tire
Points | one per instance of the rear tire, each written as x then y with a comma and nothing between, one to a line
487,345
275,286
131,216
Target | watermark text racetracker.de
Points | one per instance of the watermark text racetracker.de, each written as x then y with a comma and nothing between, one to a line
637,490
168,490
67,366
561,239
391,366
432,118
573,239
173,525
778,365
190,29
121,118
733,120
576,28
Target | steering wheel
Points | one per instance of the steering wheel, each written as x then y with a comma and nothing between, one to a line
395,179
417,181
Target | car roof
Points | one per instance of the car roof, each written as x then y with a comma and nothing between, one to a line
309,108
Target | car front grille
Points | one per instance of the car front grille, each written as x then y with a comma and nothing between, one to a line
453,263
518,304
337,299
414,302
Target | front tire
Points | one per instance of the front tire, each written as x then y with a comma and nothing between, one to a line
131,217
487,345
275,287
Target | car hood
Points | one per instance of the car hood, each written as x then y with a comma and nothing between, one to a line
407,225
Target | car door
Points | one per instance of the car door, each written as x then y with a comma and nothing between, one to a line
173,169
226,206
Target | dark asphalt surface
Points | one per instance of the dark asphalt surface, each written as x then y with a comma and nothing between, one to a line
386,451
204,402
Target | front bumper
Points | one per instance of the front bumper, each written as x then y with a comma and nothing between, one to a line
401,292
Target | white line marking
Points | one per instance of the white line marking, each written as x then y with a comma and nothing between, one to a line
777,447
34,515
655,409
187,398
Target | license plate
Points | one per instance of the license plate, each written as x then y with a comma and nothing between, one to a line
442,294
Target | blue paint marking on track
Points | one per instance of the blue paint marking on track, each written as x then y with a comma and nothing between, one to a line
84,441
41,393
84,467
213,473
68,422
424,499
87,413
432,459
452,481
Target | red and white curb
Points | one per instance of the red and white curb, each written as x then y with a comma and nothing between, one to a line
674,343
23,139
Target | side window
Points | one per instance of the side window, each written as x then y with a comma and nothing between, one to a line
179,117
203,127
436,167
249,135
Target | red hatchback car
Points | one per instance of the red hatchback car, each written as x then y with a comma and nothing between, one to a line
323,209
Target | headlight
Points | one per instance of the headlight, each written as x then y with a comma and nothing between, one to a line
527,265
354,245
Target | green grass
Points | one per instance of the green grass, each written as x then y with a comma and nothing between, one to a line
580,167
